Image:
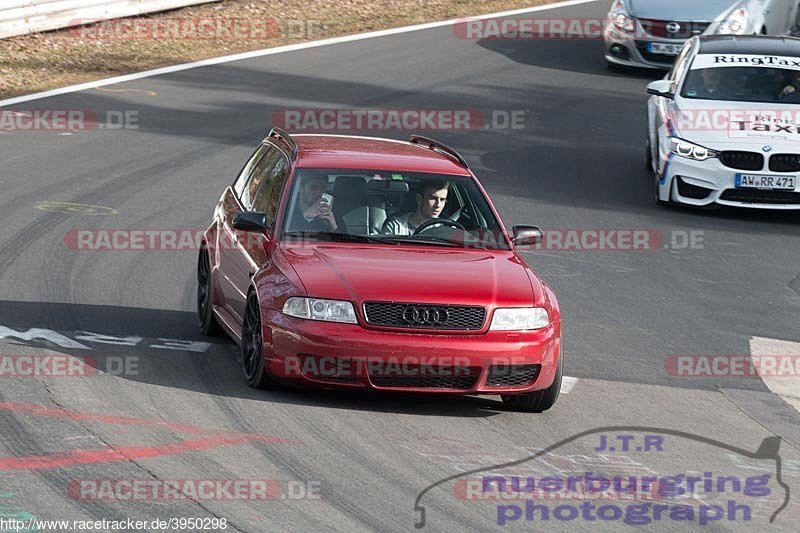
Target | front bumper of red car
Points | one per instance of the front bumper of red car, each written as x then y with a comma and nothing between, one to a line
333,355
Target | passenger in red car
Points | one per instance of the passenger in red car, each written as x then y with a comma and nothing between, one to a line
430,203
312,213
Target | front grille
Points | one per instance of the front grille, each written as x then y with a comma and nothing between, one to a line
687,190
658,28
784,163
438,377
425,316
742,160
664,59
755,196
512,375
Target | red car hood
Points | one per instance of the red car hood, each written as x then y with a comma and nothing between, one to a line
414,274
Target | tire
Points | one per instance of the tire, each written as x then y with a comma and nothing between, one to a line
540,400
255,369
205,296
648,155
656,196
658,199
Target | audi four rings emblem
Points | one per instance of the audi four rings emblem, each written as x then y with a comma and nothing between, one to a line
673,27
426,316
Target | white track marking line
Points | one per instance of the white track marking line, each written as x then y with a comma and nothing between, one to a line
787,387
567,384
278,50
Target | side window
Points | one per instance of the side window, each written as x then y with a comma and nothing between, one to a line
244,175
268,196
469,217
453,203
258,175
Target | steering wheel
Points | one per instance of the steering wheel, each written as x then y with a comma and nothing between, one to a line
439,221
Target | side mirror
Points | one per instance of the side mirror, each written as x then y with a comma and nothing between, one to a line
251,221
661,88
527,235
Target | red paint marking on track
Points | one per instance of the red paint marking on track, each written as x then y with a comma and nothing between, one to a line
111,455
41,410
215,439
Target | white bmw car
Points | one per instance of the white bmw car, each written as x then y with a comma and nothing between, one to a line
724,124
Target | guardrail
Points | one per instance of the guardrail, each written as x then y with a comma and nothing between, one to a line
18,17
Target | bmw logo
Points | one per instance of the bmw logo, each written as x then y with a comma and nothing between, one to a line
673,27
767,148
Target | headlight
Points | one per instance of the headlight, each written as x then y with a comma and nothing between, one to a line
735,24
622,20
519,319
317,309
690,150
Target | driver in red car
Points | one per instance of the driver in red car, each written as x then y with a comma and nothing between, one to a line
430,203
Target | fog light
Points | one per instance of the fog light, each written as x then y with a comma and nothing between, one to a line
618,50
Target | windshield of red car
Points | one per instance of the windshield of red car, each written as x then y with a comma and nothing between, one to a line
388,207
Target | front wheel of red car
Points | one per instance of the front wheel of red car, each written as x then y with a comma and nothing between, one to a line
540,400
253,364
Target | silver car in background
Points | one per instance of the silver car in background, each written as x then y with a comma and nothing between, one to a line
650,33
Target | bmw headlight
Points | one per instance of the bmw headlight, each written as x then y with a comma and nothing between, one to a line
735,24
690,150
318,309
519,319
622,19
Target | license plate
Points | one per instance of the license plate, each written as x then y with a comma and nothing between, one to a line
751,181
664,48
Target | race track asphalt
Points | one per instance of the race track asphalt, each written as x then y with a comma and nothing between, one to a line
576,164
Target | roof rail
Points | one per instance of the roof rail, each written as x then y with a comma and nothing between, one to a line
437,146
284,136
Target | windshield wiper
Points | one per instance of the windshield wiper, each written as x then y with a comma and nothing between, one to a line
339,237
440,241
383,239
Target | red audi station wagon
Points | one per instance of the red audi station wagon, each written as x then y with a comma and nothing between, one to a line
356,262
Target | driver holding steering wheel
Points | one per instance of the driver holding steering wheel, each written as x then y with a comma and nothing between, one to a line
430,203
